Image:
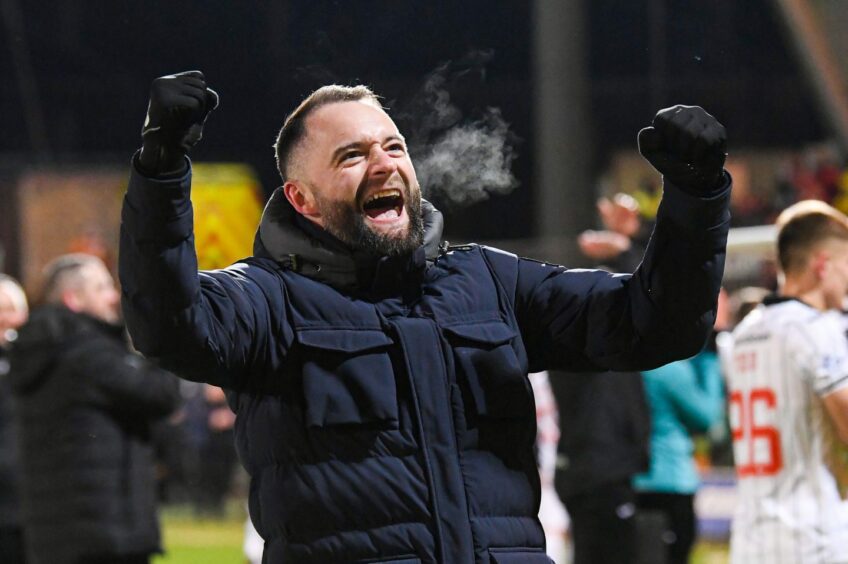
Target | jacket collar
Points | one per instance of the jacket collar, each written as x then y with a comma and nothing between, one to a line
299,245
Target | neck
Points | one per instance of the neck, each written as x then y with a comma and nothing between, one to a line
806,291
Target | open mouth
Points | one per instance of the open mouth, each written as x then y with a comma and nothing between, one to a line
384,205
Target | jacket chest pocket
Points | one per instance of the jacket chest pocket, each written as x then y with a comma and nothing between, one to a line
348,378
488,369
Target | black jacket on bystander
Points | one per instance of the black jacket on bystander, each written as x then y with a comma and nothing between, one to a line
85,404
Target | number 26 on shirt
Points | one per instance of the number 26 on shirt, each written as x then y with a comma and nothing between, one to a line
757,443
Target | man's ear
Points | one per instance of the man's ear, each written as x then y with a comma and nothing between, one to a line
820,264
71,300
301,199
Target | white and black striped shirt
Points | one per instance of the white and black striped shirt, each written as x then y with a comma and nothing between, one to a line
779,362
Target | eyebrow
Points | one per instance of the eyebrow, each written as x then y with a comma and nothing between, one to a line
344,148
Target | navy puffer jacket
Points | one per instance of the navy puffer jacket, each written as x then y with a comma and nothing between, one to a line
384,413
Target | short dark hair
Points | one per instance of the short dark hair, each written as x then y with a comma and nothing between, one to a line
294,128
802,227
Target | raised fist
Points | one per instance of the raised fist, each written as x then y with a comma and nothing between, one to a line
688,147
179,106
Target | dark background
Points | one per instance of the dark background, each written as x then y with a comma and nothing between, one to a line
92,63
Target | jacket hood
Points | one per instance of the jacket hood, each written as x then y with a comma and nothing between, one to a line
322,257
41,342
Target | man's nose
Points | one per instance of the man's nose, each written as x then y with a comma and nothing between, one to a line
380,162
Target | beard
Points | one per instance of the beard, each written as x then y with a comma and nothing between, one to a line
346,222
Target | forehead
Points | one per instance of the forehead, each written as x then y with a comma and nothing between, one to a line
94,272
11,298
346,122
836,249
838,245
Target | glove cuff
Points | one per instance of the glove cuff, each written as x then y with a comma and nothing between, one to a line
158,160
699,213
699,186
155,161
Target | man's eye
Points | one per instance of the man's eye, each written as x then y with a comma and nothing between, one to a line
397,147
350,155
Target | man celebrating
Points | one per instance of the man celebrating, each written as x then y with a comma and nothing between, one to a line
380,380
787,370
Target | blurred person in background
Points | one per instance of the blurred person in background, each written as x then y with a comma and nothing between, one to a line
605,422
208,449
252,545
84,405
380,379
13,313
620,246
787,372
217,453
745,300
552,512
169,453
685,397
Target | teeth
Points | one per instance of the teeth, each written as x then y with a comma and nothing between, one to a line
391,193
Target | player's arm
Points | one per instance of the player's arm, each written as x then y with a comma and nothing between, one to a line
205,324
823,349
836,405
664,312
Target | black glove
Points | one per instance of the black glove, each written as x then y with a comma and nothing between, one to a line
179,106
688,147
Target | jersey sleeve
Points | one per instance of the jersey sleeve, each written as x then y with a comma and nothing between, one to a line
822,349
